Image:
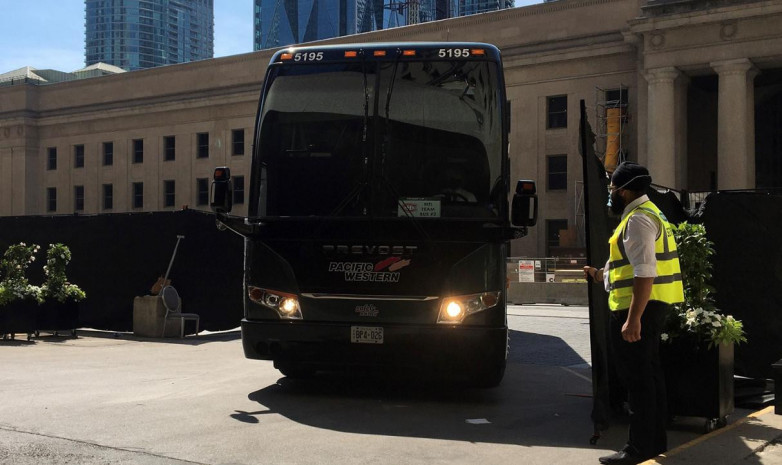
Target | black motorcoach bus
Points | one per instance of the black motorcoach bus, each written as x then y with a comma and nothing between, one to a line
379,222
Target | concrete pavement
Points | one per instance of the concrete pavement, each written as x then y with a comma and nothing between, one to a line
104,400
754,439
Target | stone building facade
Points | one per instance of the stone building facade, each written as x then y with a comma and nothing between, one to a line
699,81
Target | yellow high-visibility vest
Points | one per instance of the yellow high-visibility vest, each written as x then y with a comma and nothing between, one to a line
667,285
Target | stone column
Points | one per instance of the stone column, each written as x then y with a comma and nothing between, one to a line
681,88
661,126
736,124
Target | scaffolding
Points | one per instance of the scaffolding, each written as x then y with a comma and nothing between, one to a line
610,125
580,214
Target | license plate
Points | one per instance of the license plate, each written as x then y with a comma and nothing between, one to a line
366,334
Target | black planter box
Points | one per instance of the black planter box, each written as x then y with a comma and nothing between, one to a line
18,317
57,316
699,380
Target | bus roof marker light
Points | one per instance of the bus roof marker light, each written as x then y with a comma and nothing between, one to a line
351,54
408,53
286,56
477,51
379,53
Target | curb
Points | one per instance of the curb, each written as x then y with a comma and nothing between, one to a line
663,458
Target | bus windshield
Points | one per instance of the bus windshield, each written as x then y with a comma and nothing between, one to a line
382,139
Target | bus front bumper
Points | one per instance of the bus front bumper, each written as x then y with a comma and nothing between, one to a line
328,345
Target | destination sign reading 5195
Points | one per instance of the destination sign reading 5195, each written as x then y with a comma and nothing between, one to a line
454,53
308,56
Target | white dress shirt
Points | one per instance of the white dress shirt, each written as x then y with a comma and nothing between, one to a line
640,235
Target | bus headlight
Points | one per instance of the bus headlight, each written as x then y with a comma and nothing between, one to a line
454,310
285,304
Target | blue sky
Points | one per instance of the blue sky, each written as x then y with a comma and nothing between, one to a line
49,34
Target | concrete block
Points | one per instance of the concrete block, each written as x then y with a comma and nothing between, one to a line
548,293
148,317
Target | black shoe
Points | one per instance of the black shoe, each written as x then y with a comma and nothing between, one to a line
622,457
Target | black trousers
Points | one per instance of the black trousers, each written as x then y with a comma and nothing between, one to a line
639,368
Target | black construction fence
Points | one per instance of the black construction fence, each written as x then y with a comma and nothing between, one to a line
745,227
117,257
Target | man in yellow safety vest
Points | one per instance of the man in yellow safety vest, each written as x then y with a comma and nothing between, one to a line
643,278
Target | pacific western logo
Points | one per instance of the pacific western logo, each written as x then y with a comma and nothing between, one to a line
384,271
367,310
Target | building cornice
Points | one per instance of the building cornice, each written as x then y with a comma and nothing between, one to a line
718,15
160,103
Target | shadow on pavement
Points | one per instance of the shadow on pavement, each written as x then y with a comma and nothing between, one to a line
535,402
191,340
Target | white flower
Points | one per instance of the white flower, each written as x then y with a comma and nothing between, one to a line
664,336
716,324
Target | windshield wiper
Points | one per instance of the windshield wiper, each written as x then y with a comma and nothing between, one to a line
386,136
363,183
391,84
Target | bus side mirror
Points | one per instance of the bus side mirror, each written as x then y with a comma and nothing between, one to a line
524,210
221,199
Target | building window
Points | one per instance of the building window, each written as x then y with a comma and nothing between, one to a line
51,199
202,188
557,112
138,150
169,193
138,195
556,172
108,196
78,198
202,142
51,158
78,156
108,153
238,188
237,138
553,228
169,148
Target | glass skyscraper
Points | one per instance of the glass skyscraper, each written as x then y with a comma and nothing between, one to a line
284,22
471,7
137,34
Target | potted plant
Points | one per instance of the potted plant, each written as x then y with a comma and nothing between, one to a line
698,340
18,298
59,309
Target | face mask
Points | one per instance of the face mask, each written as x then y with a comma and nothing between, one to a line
616,203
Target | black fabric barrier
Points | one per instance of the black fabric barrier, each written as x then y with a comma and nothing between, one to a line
599,226
746,229
119,256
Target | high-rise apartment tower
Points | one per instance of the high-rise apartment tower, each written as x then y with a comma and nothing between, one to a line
137,34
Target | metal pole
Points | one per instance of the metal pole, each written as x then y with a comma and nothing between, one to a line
178,238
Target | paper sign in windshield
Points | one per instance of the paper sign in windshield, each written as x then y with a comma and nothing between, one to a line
419,208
